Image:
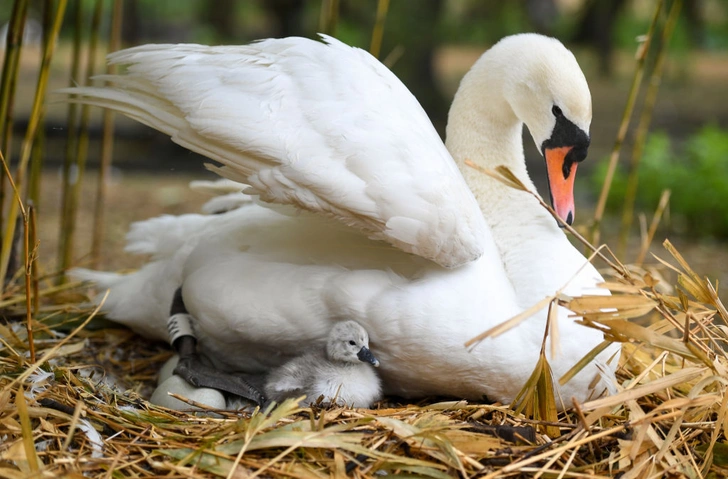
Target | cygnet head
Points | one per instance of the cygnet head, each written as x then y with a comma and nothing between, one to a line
538,82
349,342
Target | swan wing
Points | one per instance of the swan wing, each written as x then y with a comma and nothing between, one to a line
319,125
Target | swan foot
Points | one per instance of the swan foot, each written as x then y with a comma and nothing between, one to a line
190,366
194,371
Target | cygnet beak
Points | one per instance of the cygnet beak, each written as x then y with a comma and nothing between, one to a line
366,356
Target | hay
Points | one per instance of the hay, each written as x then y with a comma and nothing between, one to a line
80,408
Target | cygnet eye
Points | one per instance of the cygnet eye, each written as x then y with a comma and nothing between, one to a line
557,111
352,342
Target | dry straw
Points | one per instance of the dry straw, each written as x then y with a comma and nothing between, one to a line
77,408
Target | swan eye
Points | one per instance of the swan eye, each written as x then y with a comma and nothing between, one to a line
352,342
557,111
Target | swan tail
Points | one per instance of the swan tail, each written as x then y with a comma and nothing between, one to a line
138,300
164,235
100,279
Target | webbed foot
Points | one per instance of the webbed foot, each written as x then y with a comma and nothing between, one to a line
190,366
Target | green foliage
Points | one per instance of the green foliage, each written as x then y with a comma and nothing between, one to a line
696,173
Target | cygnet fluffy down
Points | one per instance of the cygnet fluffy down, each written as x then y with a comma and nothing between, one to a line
342,373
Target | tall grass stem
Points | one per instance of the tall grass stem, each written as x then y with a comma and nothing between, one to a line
79,165
64,235
378,32
28,289
107,143
329,17
26,147
19,202
595,233
8,82
661,207
11,67
644,125
37,155
34,261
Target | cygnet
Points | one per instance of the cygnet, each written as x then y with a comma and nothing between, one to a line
342,373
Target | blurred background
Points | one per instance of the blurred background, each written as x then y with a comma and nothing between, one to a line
429,44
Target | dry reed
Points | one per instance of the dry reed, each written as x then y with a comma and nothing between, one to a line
78,409
26,147
8,82
74,180
329,17
107,143
639,71
644,125
378,31
667,417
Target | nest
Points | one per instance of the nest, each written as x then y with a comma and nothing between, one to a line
79,409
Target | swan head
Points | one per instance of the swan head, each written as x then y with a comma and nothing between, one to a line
348,342
535,80
549,93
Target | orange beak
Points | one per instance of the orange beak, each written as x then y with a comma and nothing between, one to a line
560,186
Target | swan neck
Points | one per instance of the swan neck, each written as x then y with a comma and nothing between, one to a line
483,129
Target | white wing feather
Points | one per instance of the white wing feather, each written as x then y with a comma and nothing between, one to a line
322,126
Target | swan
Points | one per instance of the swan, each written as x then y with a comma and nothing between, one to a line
342,372
358,211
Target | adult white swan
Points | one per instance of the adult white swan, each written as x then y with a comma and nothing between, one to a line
377,224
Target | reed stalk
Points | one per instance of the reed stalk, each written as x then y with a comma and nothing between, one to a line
79,164
26,147
8,82
28,292
36,164
28,275
644,125
71,137
378,32
329,17
107,143
11,64
34,259
595,232
37,155
650,234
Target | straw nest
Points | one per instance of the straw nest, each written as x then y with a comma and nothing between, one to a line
79,409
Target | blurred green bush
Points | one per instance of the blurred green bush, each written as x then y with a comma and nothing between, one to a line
696,172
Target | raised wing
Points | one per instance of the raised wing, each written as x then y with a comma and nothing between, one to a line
323,126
